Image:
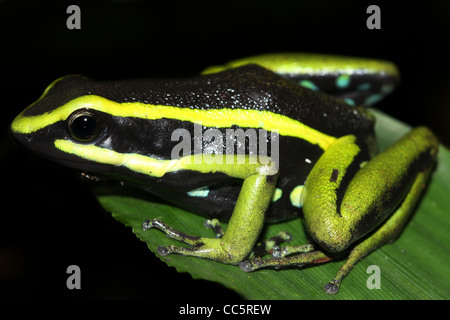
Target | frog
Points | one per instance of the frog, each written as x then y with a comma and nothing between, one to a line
257,140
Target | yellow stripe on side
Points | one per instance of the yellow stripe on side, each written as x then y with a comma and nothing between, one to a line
157,168
219,118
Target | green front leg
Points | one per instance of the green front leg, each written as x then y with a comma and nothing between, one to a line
243,228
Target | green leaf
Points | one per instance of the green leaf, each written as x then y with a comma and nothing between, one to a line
415,266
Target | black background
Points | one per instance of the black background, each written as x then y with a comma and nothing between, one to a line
50,219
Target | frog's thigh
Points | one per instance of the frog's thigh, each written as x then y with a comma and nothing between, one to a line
373,194
243,229
382,185
422,145
385,192
388,231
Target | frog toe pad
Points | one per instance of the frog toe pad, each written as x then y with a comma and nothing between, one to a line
331,288
163,251
250,265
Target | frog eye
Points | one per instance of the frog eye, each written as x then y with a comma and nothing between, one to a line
83,126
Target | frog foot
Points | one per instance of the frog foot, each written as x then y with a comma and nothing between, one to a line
307,257
209,248
170,232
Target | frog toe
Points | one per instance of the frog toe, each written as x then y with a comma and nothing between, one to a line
331,288
163,251
250,265
275,252
271,245
214,224
171,232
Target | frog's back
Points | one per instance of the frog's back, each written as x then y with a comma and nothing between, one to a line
250,87
256,88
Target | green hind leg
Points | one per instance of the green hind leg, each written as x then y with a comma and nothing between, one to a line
384,234
415,152
388,232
